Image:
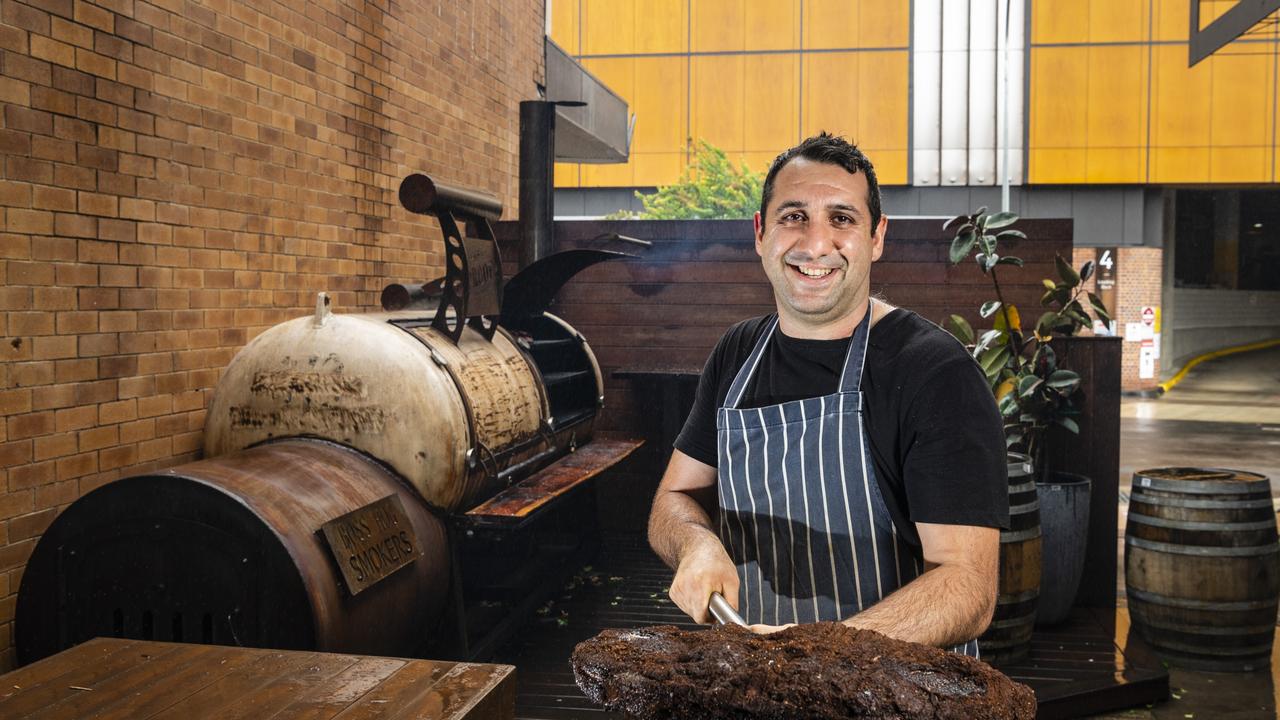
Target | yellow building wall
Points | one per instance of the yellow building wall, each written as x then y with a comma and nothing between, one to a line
1111,99
751,77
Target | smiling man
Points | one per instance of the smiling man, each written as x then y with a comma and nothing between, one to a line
844,459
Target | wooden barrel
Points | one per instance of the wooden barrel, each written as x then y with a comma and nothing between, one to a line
1201,566
1008,638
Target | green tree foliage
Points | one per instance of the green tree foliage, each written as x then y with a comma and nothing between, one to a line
709,188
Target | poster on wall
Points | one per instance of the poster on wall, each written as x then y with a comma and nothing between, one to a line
1147,360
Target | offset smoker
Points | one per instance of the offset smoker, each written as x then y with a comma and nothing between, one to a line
356,465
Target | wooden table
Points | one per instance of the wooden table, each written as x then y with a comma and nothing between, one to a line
134,679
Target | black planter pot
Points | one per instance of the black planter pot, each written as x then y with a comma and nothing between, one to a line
1064,526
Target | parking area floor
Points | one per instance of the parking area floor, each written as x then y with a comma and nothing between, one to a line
1225,413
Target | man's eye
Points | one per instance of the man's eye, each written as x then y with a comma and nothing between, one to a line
842,220
793,217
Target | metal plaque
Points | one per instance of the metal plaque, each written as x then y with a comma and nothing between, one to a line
485,275
371,542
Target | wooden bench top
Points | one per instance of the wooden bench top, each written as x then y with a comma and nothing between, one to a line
142,680
517,503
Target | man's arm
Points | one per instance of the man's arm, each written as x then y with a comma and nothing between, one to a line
680,531
953,601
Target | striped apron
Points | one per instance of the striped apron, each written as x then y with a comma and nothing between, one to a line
801,513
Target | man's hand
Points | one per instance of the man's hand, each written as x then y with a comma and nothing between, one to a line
769,629
704,568
680,531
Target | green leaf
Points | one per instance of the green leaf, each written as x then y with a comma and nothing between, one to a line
1063,379
1066,272
1010,260
961,329
1001,219
1008,405
1027,385
1069,424
988,337
993,360
988,308
952,221
1045,325
962,245
1099,307
1086,270
1049,356
1012,233
1049,284
988,243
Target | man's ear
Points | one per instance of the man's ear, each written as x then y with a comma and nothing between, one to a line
759,228
877,238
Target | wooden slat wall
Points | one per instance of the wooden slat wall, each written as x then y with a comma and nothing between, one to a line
1095,453
667,308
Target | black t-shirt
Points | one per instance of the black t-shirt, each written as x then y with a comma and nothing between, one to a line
935,433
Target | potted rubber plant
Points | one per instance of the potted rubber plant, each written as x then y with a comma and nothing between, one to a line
1033,391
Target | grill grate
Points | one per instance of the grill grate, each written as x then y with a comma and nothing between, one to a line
1075,668
625,587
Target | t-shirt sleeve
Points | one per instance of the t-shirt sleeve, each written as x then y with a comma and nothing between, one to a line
954,467
697,438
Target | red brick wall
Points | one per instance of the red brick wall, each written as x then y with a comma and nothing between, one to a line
181,174
1138,285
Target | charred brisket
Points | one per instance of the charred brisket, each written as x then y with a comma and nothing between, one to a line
820,670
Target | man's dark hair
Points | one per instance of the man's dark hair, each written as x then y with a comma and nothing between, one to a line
833,150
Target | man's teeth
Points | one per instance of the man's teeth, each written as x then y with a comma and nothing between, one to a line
814,272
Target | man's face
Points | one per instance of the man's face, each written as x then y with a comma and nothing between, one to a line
817,246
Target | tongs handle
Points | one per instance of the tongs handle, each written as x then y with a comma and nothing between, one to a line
723,612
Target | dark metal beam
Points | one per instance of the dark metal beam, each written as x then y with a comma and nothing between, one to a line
1231,25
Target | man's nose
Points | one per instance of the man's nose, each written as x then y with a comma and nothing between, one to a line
818,239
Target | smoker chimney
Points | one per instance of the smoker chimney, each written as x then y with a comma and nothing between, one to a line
537,167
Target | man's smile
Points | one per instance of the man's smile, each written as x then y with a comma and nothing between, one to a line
812,271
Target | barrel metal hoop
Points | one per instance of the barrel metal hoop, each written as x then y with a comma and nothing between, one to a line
1019,535
1230,652
1024,508
1190,604
1020,467
1012,622
1147,499
1205,487
1016,598
1201,551
1210,630
1022,487
1270,522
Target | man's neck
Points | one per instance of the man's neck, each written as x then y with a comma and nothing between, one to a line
841,328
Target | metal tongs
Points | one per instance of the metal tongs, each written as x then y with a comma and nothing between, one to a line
723,612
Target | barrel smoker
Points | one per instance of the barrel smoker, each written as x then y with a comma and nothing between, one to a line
372,483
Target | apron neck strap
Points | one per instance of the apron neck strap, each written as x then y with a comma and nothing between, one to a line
850,376
855,358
